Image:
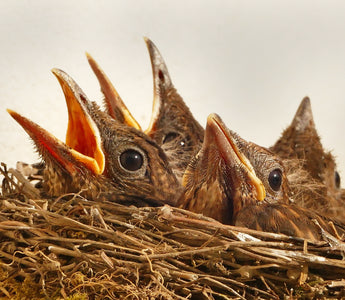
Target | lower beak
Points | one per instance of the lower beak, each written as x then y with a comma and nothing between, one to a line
47,145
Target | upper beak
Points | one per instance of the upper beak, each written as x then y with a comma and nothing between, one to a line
83,135
227,143
161,84
303,118
115,106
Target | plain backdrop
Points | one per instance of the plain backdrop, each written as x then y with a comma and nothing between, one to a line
251,62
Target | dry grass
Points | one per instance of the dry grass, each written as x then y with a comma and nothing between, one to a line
80,249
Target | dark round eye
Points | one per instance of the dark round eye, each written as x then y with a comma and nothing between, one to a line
275,179
170,137
337,179
174,137
131,160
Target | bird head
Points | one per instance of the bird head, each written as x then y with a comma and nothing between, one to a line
172,125
230,173
101,154
301,140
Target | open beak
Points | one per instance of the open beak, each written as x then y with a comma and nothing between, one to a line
82,135
115,106
227,142
161,84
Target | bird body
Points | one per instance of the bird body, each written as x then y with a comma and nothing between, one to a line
240,183
289,219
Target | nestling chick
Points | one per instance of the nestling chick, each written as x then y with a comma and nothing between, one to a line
172,124
103,157
300,140
240,183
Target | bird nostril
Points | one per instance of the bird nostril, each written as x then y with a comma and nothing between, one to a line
161,75
337,179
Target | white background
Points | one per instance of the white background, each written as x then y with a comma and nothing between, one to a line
251,62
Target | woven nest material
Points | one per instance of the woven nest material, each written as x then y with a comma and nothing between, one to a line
74,248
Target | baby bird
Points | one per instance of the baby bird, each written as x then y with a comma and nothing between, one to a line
300,140
240,183
114,105
103,158
172,124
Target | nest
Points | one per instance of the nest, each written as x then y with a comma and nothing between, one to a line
70,247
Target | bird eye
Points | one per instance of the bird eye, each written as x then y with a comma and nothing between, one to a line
173,137
131,160
170,137
275,179
337,179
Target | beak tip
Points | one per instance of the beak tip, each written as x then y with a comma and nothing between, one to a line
212,117
88,56
306,99
57,72
149,44
13,114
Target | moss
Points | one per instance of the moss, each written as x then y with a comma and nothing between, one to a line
17,290
78,296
